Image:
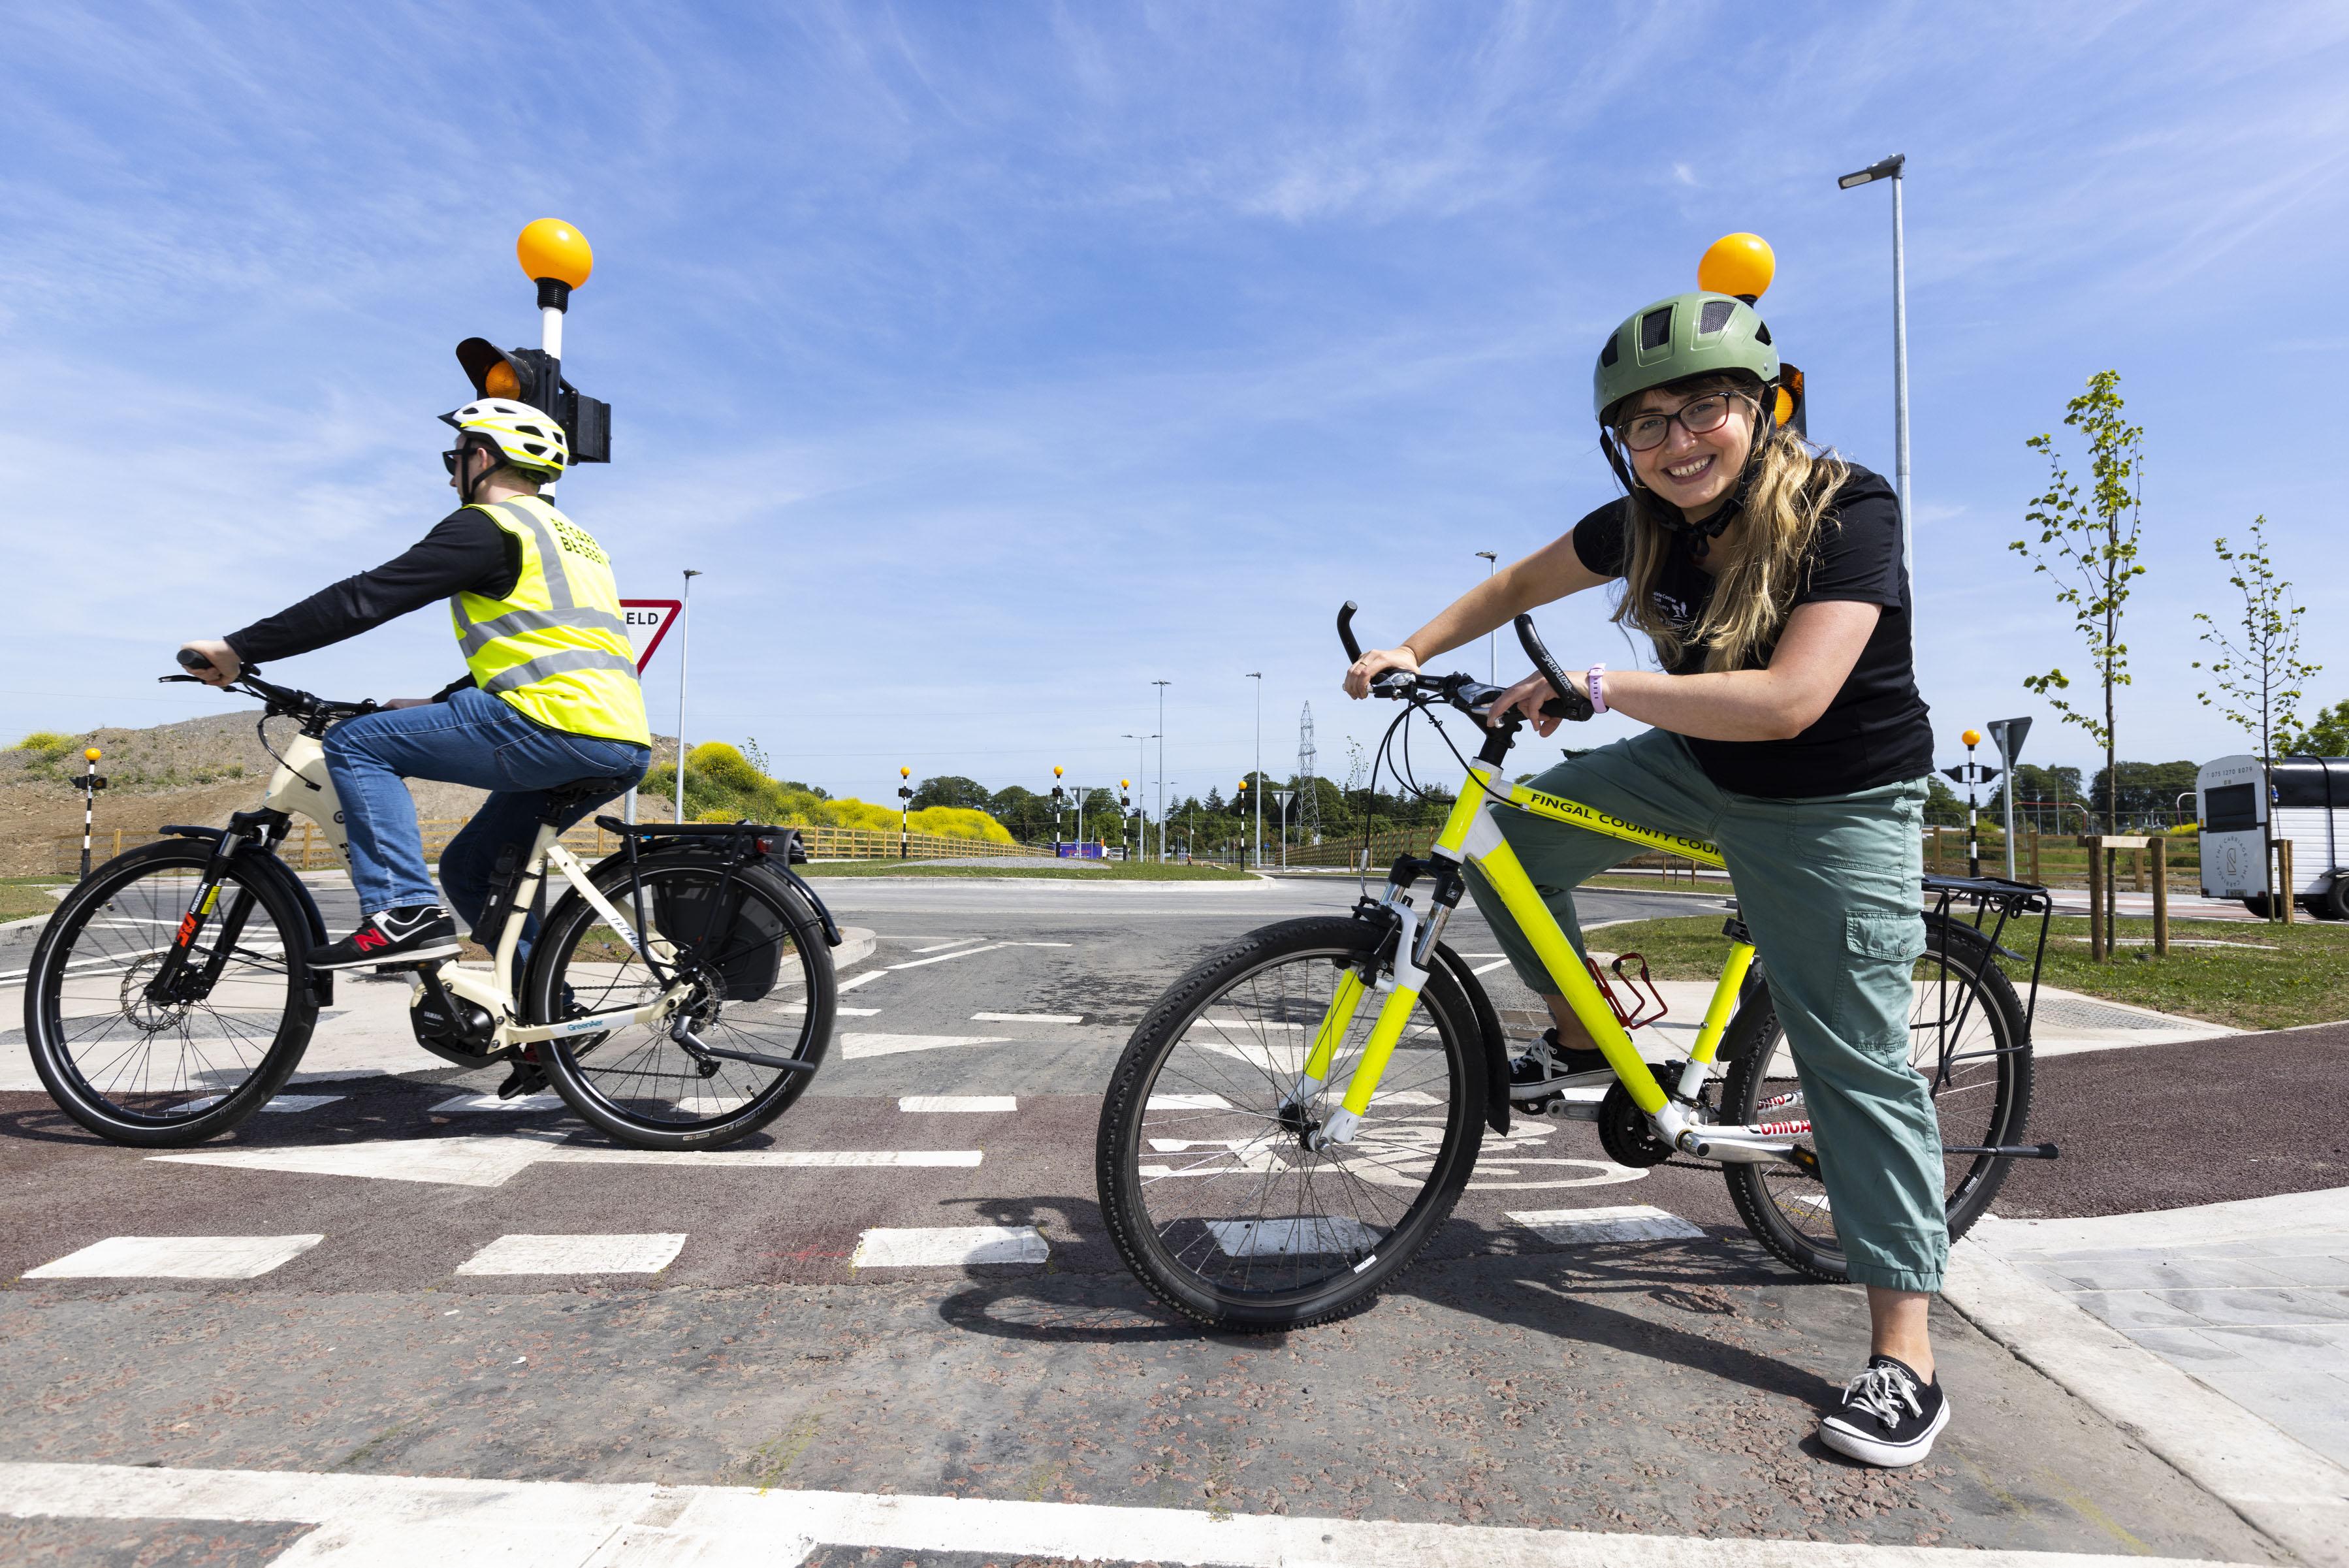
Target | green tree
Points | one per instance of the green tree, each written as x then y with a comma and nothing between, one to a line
2088,547
2147,789
952,789
2034,787
2255,665
1028,815
2327,737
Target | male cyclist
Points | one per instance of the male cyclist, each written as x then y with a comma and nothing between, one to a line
550,696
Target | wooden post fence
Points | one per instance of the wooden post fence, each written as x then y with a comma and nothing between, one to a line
2102,866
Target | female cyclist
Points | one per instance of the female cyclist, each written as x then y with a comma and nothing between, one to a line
1786,728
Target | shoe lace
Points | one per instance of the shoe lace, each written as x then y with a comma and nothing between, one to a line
1882,1391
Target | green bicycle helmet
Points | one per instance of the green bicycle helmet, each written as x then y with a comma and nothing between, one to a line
1687,334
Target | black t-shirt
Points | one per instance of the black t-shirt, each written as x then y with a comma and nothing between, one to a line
1875,731
465,553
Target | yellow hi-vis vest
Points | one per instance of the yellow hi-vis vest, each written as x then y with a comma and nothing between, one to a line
556,647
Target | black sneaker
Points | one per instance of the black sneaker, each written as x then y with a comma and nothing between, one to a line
405,936
528,1077
1888,1418
1547,1067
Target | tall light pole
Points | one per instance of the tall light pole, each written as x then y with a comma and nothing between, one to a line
1142,833
1492,656
684,630
1889,169
1257,788
1161,686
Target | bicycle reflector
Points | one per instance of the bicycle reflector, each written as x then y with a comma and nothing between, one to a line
528,375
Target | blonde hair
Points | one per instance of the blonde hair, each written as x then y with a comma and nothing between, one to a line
1794,487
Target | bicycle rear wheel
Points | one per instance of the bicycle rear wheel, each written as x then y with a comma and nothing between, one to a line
1211,1192
1967,1038
157,1074
764,987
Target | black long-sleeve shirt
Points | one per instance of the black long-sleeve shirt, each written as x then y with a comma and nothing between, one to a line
465,553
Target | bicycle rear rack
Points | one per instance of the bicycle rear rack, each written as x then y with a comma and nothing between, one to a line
2009,902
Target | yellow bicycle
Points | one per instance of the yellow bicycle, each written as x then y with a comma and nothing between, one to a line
1296,1117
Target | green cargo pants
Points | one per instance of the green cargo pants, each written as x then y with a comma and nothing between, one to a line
1829,889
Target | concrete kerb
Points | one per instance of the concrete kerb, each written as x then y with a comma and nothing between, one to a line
2279,1485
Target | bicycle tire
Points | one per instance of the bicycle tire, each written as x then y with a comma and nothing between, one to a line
1155,1244
588,1072
1765,1195
128,1096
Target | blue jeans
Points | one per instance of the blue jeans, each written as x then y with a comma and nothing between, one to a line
471,739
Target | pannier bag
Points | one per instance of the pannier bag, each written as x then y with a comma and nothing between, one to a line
717,925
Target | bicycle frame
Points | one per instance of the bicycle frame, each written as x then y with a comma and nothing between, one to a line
302,787
1472,836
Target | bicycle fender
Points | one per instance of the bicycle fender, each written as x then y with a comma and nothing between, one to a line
322,981
1496,1044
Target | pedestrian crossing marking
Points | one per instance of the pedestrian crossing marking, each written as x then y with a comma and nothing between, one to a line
284,1103
1187,1103
950,1246
579,1254
856,1046
177,1258
546,1102
1622,1222
494,1160
921,1105
1302,1235
1026,1018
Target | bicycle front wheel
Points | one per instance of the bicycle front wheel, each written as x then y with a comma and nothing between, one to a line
764,987
1967,1039
1208,1182
159,1072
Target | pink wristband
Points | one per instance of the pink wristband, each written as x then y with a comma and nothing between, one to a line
1594,678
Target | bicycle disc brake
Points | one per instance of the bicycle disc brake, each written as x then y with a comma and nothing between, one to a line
1624,1132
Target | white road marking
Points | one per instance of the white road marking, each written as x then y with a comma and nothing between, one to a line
549,1101
1304,1234
1627,1222
957,942
943,958
950,1246
1246,1025
586,1255
1488,968
867,977
494,1160
854,1047
1026,1018
1187,1103
177,1258
412,1518
950,1104
281,1102
836,1013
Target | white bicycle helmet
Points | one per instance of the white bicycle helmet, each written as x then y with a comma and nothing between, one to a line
524,437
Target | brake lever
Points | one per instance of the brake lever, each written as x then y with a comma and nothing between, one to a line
1568,703
168,679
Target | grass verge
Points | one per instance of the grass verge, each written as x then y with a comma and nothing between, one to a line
1114,871
2258,977
25,896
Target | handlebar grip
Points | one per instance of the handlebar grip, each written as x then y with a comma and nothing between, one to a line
190,659
1346,632
1568,703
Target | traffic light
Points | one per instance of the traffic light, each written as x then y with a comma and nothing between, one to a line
1240,799
1124,800
904,788
534,377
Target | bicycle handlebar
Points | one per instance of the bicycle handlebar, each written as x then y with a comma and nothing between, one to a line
280,700
1460,690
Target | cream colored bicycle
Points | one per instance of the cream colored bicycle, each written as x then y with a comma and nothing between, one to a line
678,996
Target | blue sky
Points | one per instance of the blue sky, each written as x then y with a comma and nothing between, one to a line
994,361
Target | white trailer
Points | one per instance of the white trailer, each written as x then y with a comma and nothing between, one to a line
2305,800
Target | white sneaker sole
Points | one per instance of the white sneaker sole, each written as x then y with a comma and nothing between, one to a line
1571,1081
449,948
1867,1451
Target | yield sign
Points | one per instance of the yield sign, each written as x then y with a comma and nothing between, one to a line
648,621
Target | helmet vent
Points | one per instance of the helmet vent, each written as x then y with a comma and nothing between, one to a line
1714,317
1761,333
1655,329
1607,356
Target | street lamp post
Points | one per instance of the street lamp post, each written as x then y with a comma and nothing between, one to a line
1492,654
1258,787
1161,686
1890,169
1141,818
683,631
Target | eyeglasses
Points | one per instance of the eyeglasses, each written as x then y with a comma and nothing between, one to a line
1645,432
450,459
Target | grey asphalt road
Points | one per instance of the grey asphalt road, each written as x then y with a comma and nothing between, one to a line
1655,1386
